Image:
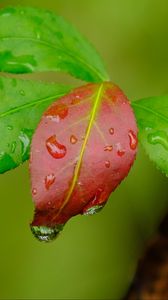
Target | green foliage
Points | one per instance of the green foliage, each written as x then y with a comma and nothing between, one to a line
152,118
22,104
35,40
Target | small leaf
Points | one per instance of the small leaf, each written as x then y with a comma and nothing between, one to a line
152,118
35,40
82,149
22,103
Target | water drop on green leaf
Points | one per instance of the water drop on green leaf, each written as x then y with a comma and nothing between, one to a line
13,147
25,138
158,137
10,127
22,92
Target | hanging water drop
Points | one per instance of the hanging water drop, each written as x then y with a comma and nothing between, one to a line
45,233
95,204
93,210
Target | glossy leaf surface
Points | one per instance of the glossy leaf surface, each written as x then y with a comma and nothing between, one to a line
83,147
22,103
152,118
35,40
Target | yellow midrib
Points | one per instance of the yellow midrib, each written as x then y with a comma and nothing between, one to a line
78,165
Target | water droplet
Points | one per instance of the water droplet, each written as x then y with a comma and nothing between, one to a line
93,210
107,164
73,139
34,191
10,127
158,137
55,149
45,233
57,112
49,180
95,204
120,152
22,92
111,131
13,147
38,35
25,142
108,148
133,140
75,100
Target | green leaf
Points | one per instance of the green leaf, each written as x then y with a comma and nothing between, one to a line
35,40
22,103
152,118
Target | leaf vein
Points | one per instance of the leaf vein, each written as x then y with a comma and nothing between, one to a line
88,130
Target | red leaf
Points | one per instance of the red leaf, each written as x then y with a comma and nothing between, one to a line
84,146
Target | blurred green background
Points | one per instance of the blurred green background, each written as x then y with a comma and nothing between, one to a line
95,257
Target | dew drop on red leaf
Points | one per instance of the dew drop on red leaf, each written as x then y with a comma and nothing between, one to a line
111,131
94,163
49,180
107,164
55,149
49,203
75,100
133,140
73,139
120,152
57,111
108,148
34,191
95,204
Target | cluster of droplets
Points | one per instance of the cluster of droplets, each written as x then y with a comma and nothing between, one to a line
58,151
120,152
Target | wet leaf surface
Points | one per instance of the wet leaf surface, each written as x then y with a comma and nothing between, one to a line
82,149
22,104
